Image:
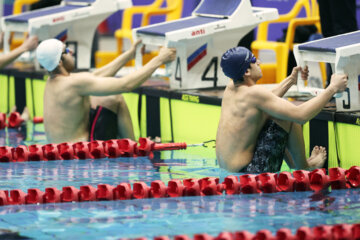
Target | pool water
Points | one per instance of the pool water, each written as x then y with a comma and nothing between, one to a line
154,217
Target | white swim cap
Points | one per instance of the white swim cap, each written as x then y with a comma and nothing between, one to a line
48,53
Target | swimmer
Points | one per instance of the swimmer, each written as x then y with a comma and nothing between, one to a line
88,106
258,128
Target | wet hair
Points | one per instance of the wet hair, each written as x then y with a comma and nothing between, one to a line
235,62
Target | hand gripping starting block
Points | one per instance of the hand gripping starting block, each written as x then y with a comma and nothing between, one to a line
343,53
201,39
74,21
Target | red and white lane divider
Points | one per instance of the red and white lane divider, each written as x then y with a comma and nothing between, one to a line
321,232
301,180
86,150
15,120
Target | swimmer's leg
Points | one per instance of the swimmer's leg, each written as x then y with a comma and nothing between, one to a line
296,146
295,155
117,104
295,150
125,127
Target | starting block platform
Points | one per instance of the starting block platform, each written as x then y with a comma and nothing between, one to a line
73,21
343,53
201,39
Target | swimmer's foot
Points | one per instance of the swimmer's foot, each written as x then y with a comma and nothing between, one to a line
317,158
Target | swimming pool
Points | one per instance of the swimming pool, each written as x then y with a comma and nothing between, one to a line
154,217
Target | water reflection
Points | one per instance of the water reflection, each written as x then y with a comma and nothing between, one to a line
189,215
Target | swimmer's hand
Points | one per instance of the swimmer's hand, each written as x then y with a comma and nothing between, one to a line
30,43
294,74
166,55
133,47
338,82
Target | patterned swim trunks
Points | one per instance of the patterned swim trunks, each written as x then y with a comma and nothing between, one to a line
269,149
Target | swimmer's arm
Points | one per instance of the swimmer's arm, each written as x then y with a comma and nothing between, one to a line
282,109
28,45
110,69
286,84
88,84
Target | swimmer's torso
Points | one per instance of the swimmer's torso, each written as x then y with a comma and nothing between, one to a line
66,114
239,127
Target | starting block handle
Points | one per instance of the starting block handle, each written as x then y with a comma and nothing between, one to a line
138,56
300,82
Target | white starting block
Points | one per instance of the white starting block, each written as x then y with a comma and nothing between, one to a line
74,21
343,53
201,39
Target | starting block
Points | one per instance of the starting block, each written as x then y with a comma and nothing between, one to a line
73,21
201,39
343,53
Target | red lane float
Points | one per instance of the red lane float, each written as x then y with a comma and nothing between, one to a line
285,182
353,176
123,191
36,153
81,150
192,187
2,121
337,178
302,180
15,120
94,150
244,235
66,151
146,146
267,182
208,186
87,193
112,149
6,154
232,185
20,154
51,152
319,180
37,120
128,147
321,232
249,184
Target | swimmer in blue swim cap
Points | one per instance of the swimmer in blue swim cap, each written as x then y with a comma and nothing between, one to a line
257,127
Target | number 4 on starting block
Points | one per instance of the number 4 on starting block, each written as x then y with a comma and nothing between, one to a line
201,39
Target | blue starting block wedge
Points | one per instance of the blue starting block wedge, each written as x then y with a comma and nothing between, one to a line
343,53
201,39
73,21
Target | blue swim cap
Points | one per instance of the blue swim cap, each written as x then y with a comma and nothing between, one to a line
235,62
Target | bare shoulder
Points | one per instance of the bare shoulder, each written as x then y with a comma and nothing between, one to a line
258,91
81,79
81,75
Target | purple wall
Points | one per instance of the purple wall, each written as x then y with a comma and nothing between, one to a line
276,30
114,21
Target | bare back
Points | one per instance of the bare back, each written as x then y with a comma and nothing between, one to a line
66,114
239,127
